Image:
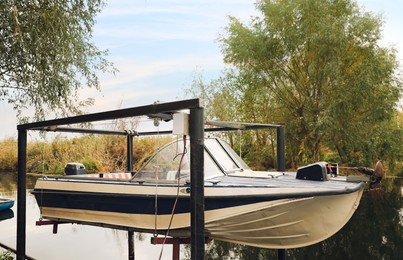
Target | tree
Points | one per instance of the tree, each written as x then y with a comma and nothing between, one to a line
46,54
319,65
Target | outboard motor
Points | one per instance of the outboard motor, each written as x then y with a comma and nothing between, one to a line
376,174
74,169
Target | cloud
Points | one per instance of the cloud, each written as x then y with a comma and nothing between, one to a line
176,7
164,20
186,63
143,81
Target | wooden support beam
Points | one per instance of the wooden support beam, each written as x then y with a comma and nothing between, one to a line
50,222
175,242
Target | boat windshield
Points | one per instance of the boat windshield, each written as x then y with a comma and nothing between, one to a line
225,155
164,165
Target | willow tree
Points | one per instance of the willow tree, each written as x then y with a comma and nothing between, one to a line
320,66
46,54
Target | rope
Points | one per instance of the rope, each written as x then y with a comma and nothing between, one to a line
43,174
156,170
240,142
177,196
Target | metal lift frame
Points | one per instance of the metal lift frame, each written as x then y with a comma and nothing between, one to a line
196,134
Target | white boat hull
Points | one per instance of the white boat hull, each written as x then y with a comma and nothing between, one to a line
288,222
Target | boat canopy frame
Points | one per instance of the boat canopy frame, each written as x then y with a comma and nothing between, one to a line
159,110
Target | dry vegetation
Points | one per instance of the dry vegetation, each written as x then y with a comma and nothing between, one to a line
97,153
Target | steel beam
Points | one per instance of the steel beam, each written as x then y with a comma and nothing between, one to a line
129,155
21,193
130,241
280,148
280,167
196,132
115,114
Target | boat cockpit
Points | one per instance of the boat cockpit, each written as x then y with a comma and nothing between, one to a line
172,161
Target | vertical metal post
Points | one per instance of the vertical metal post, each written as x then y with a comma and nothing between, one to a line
129,166
130,240
21,193
196,132
280,167
280,148
129,151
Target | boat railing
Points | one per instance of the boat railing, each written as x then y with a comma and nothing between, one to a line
93,177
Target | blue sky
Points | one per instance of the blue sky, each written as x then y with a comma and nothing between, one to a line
158,46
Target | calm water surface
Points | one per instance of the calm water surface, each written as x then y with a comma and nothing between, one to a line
374,232
72,241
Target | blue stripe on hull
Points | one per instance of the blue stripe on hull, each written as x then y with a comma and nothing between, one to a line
145,204
134,204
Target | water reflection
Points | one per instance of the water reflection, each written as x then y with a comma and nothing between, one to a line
72,241
374,232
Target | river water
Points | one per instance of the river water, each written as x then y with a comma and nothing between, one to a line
374,232
72,241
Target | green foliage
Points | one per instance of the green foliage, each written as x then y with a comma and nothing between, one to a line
47,56
6,255
316,66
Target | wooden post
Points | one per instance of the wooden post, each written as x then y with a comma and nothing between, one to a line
175,249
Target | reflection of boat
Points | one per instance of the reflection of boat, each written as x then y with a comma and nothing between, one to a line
263,209
6,204
6,214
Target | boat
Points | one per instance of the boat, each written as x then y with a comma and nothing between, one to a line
266,209
6,214
6,204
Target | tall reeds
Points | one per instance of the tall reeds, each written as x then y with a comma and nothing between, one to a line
99,153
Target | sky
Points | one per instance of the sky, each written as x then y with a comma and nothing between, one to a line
159,46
